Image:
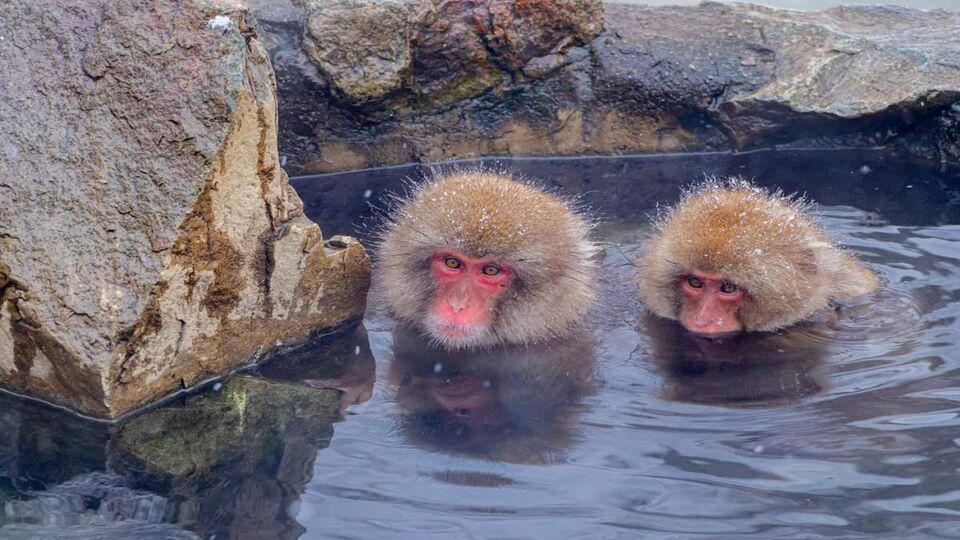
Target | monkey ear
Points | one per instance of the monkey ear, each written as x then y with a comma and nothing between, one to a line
804,259
853,278
770,304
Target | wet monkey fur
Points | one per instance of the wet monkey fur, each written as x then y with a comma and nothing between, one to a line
478,257
732,257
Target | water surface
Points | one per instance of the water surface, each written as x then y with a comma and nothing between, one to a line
842,427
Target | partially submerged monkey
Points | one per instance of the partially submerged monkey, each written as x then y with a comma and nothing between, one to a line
476,258
732,257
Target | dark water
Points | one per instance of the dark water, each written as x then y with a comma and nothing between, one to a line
842,427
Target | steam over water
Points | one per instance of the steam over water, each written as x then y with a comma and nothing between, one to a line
845,426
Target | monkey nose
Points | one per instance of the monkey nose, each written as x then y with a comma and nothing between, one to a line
697,315
706,319
711,317
458,303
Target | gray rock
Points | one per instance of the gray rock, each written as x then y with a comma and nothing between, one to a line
658,79
428,53
105,531
149,239
91,505
763,76
362,48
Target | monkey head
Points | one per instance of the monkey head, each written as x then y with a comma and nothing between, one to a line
731,257
476,258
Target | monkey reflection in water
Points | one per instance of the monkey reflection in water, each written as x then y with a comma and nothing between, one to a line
517,404
739,370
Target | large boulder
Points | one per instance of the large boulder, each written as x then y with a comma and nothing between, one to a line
148,236
845,76
478,77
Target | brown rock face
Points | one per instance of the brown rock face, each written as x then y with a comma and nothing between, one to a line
431,52
514,77
148,236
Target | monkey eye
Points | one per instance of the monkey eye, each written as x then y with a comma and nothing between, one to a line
452,262
695,282
491,270
728,288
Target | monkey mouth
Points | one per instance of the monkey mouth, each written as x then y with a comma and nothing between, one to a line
455,335
710,337
455,330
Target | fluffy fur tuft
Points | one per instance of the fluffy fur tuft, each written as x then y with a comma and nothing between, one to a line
763,242
487,213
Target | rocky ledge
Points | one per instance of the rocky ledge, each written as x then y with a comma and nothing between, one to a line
149,239
367,82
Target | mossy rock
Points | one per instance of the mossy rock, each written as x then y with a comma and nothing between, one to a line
243,420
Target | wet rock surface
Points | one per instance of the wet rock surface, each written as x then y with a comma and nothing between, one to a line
229,462
90,504
250,445
457,81
148,236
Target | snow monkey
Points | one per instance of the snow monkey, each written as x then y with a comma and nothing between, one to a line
476,258
731,257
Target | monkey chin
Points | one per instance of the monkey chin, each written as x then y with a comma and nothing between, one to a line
457,336
712,336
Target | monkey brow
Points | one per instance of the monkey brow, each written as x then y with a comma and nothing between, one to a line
416,230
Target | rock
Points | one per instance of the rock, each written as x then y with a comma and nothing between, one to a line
231,461
452,60
115,529
94,504
361,47
768,76
236,459
244,415
149,239
524,30
497,78
432,53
